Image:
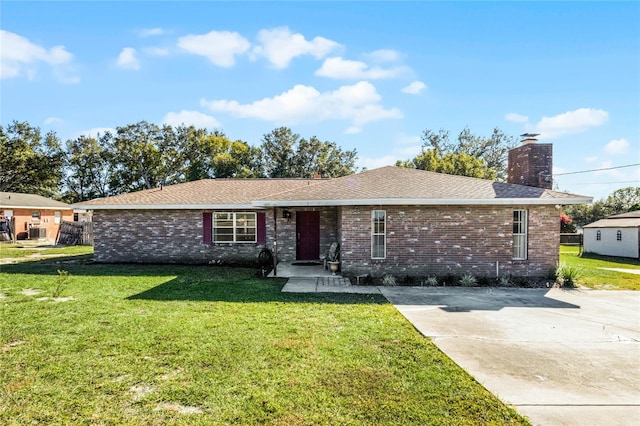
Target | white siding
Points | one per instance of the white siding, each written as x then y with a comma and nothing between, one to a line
609,245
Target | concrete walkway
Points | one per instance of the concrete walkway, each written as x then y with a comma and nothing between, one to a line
624,270
329,284
560,357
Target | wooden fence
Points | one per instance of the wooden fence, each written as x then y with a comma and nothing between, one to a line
75,234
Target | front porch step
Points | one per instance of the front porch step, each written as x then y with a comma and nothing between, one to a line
333,281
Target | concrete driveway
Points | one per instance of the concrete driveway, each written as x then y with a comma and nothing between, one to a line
560,357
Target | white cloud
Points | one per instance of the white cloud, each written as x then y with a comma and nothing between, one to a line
279,46
53,120
516,118
414,88
571,122
128,59
591,159
156,51
337,67
359,103
148,32
617,146
19,56
383,55
189,118
220,47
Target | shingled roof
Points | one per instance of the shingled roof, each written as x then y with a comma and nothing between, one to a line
16,200
383,186
400,186
201,194
622,220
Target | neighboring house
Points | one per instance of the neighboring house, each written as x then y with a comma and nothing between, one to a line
617,235
387,220
36,217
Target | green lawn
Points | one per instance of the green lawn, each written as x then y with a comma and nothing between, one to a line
206,345
591,274
22,250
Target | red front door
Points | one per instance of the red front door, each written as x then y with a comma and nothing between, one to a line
307,235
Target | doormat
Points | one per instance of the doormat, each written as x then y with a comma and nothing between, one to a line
307,263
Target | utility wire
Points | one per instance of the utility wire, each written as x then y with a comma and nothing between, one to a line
597,170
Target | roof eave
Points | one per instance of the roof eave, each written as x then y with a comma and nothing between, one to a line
8,207
423,201
164,206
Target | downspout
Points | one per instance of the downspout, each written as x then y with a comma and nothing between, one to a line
275,241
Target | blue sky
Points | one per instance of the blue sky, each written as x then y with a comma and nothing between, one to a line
369,76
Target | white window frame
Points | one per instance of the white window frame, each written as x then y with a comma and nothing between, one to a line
57,217
520,228
598,235
233,216
376,233
618,235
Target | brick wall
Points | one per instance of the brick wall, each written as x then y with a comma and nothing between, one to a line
530,165
175,236
161,236
449,239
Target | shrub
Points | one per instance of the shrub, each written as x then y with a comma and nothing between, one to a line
505,281
567,276
431,281
408,280
485,281
468,280
389,280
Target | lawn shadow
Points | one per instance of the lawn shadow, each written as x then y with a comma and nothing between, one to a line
247,290
198,283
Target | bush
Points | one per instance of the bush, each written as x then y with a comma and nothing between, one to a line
389,280
468,280
567,276
506,280
485,281
408,280
431,281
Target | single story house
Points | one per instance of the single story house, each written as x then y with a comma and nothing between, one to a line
35,217
617,235
388,220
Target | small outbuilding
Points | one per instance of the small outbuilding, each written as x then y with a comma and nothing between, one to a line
31,216
617,235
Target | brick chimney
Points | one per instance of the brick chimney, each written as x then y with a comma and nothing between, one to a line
530,164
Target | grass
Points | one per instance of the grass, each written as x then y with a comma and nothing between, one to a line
148,345
591,274
22,250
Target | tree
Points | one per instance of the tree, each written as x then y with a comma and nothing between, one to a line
87,171
471,155
215,156
145,156
460,164
622,200
30,163
284,154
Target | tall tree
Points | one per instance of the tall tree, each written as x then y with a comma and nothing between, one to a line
622,200
30,163
286,154
145,156
215,156
87,168
470,155
460,164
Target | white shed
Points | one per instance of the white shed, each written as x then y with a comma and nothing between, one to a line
617,235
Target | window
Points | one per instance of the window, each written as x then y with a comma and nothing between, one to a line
56,217
619,236
598,235
378,234
35,215
8,213
234,227
520,234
